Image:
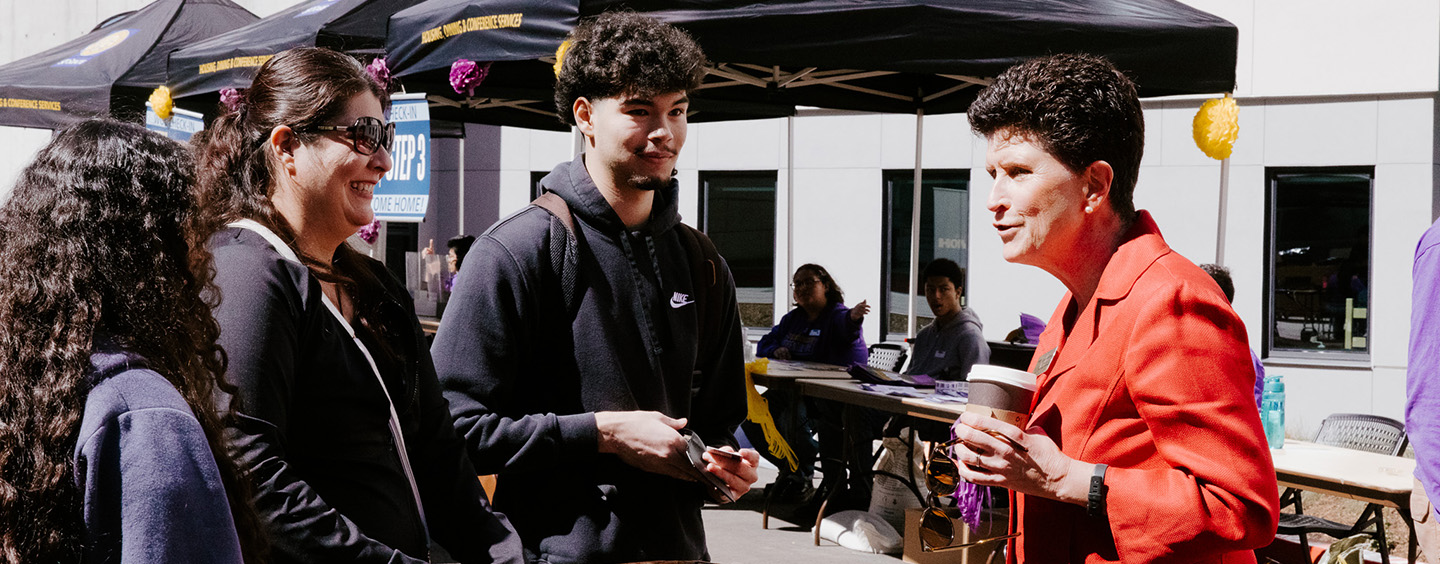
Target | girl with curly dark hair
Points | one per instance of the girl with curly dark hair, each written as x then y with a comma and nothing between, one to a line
342,427
111,447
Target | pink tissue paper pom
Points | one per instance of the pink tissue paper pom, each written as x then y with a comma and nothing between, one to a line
466,75
379,71
370,233
230,97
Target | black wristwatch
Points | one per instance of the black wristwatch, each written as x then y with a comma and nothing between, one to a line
1095,507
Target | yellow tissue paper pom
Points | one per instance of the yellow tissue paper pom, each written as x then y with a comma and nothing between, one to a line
1217,124
560,56
162,103
758,412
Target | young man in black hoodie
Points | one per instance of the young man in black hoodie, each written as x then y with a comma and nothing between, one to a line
576,394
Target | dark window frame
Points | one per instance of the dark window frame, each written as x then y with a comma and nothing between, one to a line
703,222
1268,294
887,178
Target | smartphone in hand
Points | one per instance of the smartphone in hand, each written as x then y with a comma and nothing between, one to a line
732,455
695,451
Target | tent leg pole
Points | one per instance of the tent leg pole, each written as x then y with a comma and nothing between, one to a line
461,177
1224,202
781,308
914,229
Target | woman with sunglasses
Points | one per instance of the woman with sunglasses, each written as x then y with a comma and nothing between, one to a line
1143,443
820,329
110,443
342,426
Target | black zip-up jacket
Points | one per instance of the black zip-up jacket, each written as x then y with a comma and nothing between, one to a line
313,431
524,379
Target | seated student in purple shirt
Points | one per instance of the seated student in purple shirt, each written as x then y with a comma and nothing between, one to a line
111,449
820,329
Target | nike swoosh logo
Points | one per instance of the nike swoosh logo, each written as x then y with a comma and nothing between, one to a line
680,300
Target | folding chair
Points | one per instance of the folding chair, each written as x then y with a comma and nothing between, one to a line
1371,433
887,356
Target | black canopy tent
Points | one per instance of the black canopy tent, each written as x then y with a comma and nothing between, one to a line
112,69
897,56
229,60
901,56
518,38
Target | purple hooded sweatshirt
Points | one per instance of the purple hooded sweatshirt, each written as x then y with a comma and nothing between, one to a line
1422,382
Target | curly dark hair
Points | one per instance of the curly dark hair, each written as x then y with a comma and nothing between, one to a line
300,88
833,293
1221,276
1079,108
101,240
624,52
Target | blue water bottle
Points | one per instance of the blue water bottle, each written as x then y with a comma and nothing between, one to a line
1272,410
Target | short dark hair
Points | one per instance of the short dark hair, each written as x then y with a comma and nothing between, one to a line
947,268
1079,108
625,53
461,244
1222,277
833,293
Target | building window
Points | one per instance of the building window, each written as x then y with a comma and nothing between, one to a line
1318,222
944,233
535,177
400,238
737,211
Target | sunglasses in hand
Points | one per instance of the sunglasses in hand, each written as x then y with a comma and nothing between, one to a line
367,135
937,525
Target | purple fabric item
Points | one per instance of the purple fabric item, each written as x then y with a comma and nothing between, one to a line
1033,327
151,490
970,499
1422,382
466,75
1259,377
832,338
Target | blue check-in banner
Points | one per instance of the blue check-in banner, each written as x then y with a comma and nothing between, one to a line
181,126
405,192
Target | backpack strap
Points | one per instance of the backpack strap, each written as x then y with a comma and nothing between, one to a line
705,280
564,248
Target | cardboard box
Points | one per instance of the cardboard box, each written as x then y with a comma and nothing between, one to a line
994,525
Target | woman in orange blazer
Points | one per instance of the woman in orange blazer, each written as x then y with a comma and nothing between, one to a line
1144,444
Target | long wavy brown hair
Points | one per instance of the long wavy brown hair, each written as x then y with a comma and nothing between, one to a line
100,241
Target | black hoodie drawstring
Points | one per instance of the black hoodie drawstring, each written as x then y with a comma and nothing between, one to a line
642,305
654,261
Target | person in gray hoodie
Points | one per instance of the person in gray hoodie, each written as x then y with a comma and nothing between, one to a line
111,449
578,401
947,348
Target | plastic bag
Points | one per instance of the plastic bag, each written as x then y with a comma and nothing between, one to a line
890,497
858,530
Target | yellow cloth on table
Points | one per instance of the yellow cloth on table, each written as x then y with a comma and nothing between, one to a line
759,414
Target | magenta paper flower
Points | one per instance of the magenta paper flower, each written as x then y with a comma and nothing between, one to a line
466,75
380,72
370,233
230,97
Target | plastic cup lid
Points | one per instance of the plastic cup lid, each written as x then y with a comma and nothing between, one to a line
1002,375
